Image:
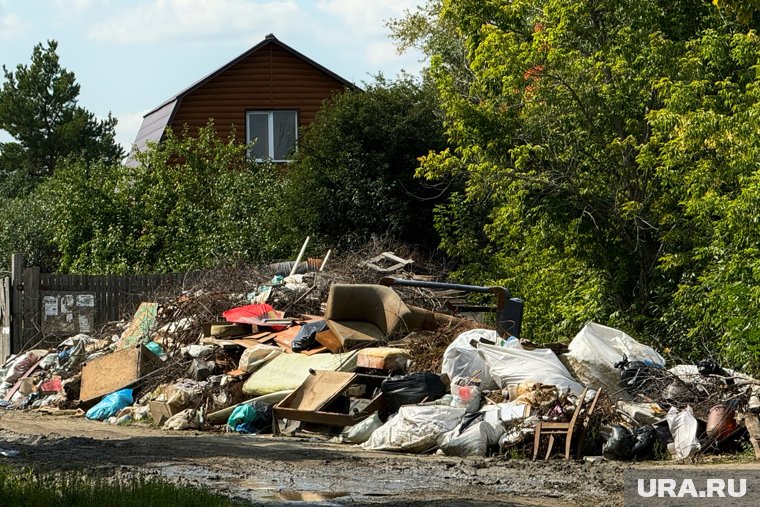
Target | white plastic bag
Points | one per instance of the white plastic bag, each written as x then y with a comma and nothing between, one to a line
414,428
473,441
465,394
505,412
461,359
683,427
188,419
515,366
595,350
360,432
257,356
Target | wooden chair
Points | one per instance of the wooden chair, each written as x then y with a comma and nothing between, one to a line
566,429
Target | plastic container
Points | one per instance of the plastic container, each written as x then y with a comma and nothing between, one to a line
720,421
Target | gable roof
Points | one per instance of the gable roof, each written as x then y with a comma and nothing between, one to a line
155,121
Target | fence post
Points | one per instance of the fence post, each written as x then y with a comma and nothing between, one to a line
32,326
16,293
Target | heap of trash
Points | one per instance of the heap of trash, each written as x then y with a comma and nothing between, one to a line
386,366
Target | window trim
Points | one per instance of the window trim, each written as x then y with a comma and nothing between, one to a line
270,128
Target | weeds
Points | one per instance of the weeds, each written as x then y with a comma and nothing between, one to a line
23,487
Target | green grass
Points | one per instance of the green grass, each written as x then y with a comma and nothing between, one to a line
23,487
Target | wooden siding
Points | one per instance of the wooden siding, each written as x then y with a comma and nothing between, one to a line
269,79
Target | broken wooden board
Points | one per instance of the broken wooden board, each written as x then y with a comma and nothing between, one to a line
387,262
227,343
318,390
285,338
115,371
311,352
139,328
328,339
259,336
309,402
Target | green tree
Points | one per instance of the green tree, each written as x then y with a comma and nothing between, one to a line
353,175
708,157
589,131
38,107
189,202
742,9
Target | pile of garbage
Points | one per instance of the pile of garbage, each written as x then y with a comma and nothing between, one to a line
363,364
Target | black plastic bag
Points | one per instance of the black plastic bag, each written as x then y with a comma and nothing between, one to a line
412,389
200,370
708,367
644,440
307,336
634,375
619,444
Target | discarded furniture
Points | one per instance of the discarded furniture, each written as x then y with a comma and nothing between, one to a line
115,371
288,371
360,315
565,429
21,379
311,401
586,421
509,311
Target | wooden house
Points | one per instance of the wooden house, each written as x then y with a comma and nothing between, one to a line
267,94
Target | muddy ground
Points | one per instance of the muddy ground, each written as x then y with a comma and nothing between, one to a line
267,470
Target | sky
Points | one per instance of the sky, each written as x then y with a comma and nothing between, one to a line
131,56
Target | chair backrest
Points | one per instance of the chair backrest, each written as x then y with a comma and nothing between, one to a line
587,416
377,304
578,407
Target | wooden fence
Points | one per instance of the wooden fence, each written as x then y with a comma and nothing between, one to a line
40,307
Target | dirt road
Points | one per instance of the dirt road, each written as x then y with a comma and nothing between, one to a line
292,471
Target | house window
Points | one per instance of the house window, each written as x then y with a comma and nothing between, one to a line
273,133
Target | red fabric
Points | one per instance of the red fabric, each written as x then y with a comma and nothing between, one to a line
253,314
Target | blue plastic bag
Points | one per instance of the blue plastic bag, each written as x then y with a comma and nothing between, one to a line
110,405
251,418
156,348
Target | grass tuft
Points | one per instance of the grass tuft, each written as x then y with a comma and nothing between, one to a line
23,487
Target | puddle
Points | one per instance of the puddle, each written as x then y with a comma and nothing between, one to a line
308,496
248,487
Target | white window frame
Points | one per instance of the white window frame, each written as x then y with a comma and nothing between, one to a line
270,127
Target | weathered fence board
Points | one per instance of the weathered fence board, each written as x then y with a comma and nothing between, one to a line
5,318
42,307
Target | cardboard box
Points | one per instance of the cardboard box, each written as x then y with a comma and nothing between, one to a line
160,411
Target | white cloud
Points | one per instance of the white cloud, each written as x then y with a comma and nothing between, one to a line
364,33
127,128
11,26
381,52
78,5
366,17
153,21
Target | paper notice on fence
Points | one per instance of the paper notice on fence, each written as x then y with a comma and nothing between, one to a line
84,324
67,304
51,306
86,300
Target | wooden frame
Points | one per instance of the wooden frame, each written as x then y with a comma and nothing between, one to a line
565,429
321,388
